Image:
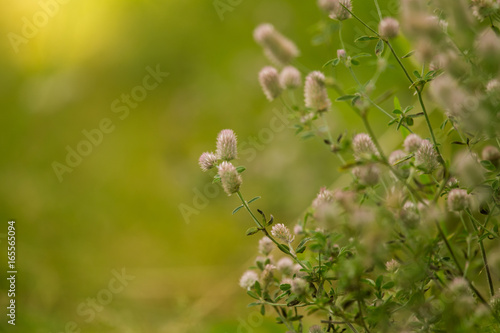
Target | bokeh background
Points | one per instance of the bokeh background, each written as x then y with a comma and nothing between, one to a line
121,207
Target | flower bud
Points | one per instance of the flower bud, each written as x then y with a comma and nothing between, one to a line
388,27
290,78
230,178
270,82
279,49
316,96
363,147
458,200
412,143
226,145
248,279
281,232
207,161
426,157
265,245
341,54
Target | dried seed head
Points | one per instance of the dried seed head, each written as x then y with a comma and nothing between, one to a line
248,279
492,154
226,145
339,12
285,266
299,286
279,49
281,232
290,78
265,245
207,161
392,265
368,175
426,157
324,197
230,178
316,96
412,143
458,200
270,82
388,27
363,147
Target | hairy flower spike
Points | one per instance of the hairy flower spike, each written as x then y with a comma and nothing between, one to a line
363,147
290,78
316,96
281,231
265,245
367,174
207,161
426,157
392,265
315,329
285,266
458,200
270,82
492,154
248,279
279,49
412,143
324,197
226,145
396,156
230,178
388,27
340,13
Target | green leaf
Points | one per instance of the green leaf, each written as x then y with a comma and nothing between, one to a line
488,165
496,30
365,38
271,220
417,74
408,108
379,48
252,294
354,62
409,54
397,111
361,55
285,286
240,169
378,282
253,199
388,285
216,179
409,121
237,209
258,288
263,310
330,62
397,105
284,248
252,231
254,304
345,98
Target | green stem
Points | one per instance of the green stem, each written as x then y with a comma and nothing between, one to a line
284,320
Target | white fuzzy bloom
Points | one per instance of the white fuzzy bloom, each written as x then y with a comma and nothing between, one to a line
281,232
248,279
230,178
412,143
265,245
285,266
279,49
388,27
367,174
426,157
299,286
392,265
290,78
270,82
340,13
315,94
297,229
363,147
226,145
324,197
458,200
207,161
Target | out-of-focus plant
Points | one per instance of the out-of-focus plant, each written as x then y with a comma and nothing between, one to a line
412,244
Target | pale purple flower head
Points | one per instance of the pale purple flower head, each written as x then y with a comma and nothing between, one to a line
392,265
290,78
226,145
341,54
458,200
267,274
388,27
279,49
230,178
396,156
492,154
324,197
248,279
412,143
285,266
363,147
426,157
265,245
340,13
270,82
316,96
367,174
298,229
207,161
281,232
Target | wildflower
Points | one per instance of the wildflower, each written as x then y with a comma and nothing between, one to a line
270,82
315,93
207,161
467,169
265,245
248,279
298,229
230,178
267,274
328,5
341,54
226,145
324,197
261,261
298,272
315,329
388,27
363,147
299,286
493,86
412,143
409,214
279,49
290,78
285,266
339,12
397,156
482,9
492,154
367,174
392,265
458,200
426,157
281,231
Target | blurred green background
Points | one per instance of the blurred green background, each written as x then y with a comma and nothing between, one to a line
120,207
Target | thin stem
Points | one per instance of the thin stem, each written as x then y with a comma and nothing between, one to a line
362,317
378,9
284,320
